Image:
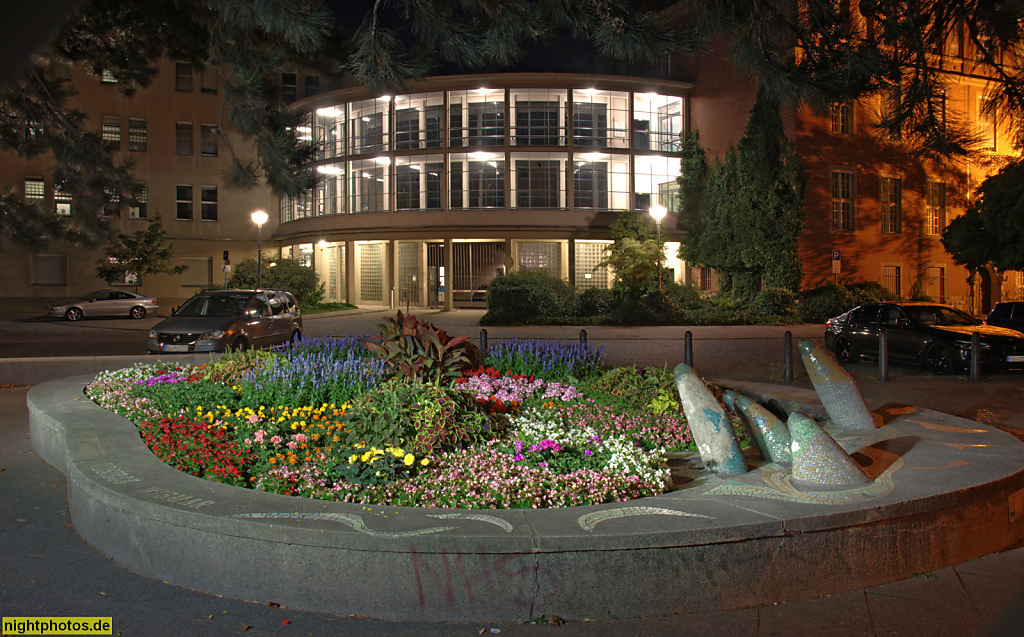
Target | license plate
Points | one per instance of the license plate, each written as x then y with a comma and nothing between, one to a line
1015,359
175,348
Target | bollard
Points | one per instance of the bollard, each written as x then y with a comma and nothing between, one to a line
688,348
787,357
883,356
975,356
583,338
483,342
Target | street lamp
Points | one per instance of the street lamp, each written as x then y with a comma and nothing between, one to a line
659,212
259,218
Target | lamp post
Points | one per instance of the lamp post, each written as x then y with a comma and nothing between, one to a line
259,218
659,212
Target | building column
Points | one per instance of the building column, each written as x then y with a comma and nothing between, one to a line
350,273
449,260
572,263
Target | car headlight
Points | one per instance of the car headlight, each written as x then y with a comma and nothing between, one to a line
152,333
212,336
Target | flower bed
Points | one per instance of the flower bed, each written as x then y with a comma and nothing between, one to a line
327,419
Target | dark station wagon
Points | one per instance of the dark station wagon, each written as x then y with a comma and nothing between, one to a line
220,319
932,335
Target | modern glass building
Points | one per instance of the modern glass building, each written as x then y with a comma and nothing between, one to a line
424,197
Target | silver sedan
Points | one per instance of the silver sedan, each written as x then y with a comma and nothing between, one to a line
105,303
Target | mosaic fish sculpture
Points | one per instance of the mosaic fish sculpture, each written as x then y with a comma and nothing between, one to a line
709,424
835,387
818,458
770,433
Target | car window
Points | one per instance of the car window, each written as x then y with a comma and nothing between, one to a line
276,307
292,304
221,306
868,314
940,315
123,295
102,296
258,306
891,315
1016,311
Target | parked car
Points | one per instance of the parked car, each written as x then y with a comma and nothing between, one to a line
105,303
1007,314
935,336
220,319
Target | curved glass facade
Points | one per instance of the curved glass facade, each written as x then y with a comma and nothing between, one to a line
537,148
494,148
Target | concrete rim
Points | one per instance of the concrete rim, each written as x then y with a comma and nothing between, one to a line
722,544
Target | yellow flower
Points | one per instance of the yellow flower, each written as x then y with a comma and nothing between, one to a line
424,462
409,459
352,459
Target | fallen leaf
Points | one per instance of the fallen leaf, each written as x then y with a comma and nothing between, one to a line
246,627
210,617
556,621
3,468
285,622
273,604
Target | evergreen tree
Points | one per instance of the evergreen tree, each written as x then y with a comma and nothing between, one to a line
145,252
751,207
991,231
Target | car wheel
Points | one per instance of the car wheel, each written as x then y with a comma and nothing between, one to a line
73,314
138,312
240,344
940,360
844,352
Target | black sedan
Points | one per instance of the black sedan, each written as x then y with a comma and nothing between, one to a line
935,336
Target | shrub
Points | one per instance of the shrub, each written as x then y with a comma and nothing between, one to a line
869,292
420,351
593,302
424,418
522,298
773,304
649,388
233,365
820,304
547,359
287,274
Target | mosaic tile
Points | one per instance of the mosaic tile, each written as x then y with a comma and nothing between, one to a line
818,458
836,389
770,433
709,424
590,520
348,519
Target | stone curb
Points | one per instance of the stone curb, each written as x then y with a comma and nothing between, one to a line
721,544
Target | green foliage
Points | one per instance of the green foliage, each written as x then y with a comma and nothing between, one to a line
692,178
523,298
231,366
421,417
171,397
420,352
648,388
286,274
821,303
751,212
145,252
991,231
774,304
371,465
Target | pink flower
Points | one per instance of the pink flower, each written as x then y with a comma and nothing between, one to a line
292,445
275,439
299,438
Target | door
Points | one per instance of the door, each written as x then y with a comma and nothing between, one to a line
904,342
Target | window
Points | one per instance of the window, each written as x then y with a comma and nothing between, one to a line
545,257
590,185
312,85
183,202
369,181
183,138
112,131
657,122
61,201
208,140
891,279
987,123
842,118
537,184
199,272
107,77
137,210
35,190
208,81
407,128
418,183
49,269
935,207
208,203
890,199
137,135
537,123
589,271
704,276
487,184
290,86
935,283
183,76
842,200
589,124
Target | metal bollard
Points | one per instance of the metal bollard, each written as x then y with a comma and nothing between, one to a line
883,356
483,341
975,356
788,357
688,348
583,338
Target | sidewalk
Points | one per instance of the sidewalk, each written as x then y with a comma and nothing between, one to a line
47,570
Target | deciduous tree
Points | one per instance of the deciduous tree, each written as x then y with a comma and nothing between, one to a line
145,252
